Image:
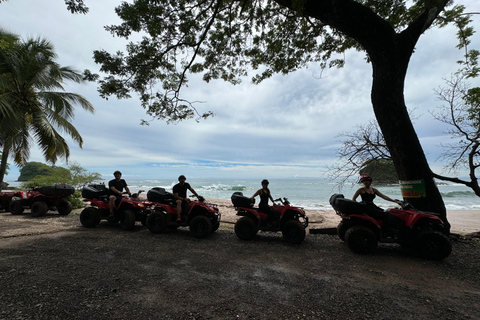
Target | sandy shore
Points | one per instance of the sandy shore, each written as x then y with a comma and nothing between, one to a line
462,221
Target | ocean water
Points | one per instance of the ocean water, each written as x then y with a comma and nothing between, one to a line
307,193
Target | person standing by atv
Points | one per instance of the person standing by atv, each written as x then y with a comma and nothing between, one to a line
180,194
265,195
115,188
368,193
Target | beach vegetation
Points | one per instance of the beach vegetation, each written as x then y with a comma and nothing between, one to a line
34,106
381,170
33,169
36,174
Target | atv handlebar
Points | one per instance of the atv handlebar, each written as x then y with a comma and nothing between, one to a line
136,195
405,205
200,198
285,201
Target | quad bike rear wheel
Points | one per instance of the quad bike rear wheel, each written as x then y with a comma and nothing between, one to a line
293,232
361,239
64,207
127,220
16,207
246,228
157,222
90,217
200,226
6,206
39,209
433,245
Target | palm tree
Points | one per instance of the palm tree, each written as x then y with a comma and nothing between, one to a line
33,104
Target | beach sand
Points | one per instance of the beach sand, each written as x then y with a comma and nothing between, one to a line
462,221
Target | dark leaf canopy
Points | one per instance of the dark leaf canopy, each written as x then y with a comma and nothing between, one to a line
76,6
171,39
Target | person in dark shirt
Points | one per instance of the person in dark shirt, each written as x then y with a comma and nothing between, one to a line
266,195
180,194
115,188
368,193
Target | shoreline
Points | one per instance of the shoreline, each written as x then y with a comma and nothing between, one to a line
462,222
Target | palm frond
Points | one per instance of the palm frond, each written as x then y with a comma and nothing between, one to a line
33,104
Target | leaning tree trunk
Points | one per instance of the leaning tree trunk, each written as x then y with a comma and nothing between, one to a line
389,53
3,164
389,71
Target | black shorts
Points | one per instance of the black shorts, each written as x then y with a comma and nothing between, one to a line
118,198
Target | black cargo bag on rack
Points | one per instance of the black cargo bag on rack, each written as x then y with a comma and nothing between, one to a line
239,200
160,195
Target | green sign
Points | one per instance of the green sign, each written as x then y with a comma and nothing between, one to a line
413,189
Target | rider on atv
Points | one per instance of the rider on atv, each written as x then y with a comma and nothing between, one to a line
115,188
368,193
180,194
265,195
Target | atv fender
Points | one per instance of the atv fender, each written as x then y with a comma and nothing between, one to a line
362,220
245,212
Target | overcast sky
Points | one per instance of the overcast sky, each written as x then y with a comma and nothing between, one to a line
287,126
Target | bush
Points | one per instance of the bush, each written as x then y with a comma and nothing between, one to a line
77,200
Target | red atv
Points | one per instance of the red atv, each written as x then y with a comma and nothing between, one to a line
42,199
201,217
5,200
424,231
128,211
292,221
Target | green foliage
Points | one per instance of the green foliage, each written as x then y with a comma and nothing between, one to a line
38,169
227,39
76,6
381,170
76,200
43,175
37,174
80,177
33,104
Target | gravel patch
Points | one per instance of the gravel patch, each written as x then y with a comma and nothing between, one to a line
70,272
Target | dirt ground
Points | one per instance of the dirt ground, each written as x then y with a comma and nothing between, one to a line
53,268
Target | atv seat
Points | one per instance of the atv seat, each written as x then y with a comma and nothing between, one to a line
91,192
347,206
239,200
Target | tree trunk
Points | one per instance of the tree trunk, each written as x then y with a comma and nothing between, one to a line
389,71
390,54
3,164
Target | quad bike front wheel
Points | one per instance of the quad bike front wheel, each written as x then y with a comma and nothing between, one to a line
157,222
39,209
433,245
215,226
200,226
293,232
16,207
361,239
64,207
341,230
246,228
90,217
